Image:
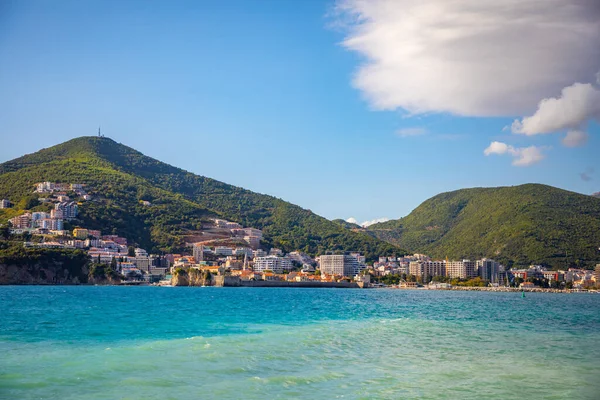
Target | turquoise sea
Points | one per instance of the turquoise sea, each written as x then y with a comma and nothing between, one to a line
78,342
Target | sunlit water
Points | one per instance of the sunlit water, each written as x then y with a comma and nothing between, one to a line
189,343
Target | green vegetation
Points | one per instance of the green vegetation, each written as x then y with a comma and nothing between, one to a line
120,177
68,264
346,224
517,225
99,272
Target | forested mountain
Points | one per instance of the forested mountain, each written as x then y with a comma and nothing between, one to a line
522,224
120,178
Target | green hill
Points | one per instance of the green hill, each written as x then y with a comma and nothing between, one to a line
120,177
346,224
522,224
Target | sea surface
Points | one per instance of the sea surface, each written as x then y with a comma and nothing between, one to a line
87,342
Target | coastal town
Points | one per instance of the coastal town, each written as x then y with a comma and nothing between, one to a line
233,255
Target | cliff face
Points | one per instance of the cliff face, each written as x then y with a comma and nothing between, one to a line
41,274
191,277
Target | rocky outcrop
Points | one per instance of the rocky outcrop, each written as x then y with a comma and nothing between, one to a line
191,277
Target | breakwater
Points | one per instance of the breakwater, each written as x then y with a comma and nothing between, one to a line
234,281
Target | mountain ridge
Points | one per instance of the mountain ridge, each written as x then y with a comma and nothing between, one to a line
122,177
530,223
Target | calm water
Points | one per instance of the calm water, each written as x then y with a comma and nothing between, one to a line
190,343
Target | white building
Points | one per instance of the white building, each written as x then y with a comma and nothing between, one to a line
223,251
223,223
141,253
4,203
243,251
45,187
278,265
345,265
51,224
461,269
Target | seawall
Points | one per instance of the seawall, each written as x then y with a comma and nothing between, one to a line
234,281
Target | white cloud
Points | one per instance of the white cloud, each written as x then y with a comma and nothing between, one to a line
526,156
408,132
577,104
374,221
353,220
522,156
496,148
470,57
575,138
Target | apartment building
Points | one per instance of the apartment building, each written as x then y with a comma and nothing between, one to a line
345,265
278,265
464,269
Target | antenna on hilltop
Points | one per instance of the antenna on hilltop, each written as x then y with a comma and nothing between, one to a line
99,133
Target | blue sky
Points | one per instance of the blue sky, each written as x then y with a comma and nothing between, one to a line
300,100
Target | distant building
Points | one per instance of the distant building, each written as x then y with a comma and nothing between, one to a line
243,251
597,274
464,269
68,209
553,276
427,269
5,203
223,251
360,258
278,265
259,253
345,265
488,270
140,252
276,252
56,214
300,257
22,221
52,224
251,235
45,187
93,242
253,241
80,233
39,215
224,224
198,252
114,238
